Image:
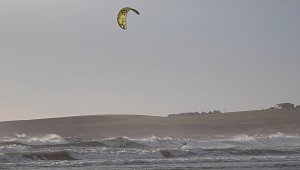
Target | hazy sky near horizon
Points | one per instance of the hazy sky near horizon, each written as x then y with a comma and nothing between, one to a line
69,57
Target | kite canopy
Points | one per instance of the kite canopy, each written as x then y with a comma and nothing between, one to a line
122,16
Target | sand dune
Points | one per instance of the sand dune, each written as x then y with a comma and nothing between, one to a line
101,126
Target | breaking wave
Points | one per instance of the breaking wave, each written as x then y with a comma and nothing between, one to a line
278,135
47,139
277,140
42,140
150,142
51,147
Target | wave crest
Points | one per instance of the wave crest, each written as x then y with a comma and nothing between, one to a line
47,139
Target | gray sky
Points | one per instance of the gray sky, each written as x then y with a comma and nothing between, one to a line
69,57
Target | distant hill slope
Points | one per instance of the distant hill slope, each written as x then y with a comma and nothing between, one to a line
100,126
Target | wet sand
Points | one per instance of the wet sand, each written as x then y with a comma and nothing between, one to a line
260,122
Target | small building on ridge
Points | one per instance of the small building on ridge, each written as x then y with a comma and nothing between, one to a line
284,106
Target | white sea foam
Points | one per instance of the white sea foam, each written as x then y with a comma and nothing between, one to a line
278,135
23,135
160,142
47,139
281,135
277,140
243,138
14,148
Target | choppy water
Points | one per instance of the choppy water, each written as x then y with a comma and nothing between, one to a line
277,151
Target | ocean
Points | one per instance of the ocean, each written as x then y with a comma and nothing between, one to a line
51,151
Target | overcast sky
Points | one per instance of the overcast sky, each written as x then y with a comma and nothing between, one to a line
69,57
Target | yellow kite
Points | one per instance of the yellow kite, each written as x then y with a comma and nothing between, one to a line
122,16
